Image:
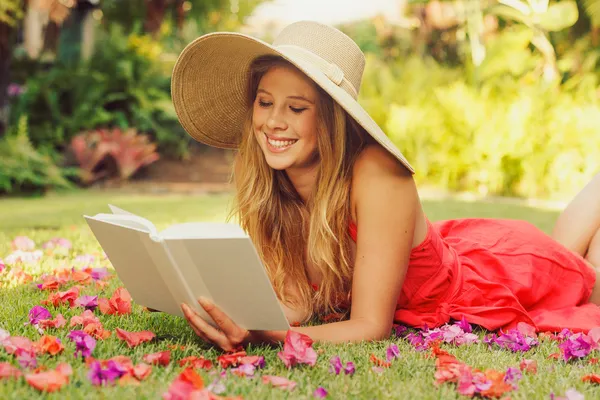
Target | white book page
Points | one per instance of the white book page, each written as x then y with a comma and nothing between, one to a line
120,211
144,266
234,278
202,230
127,221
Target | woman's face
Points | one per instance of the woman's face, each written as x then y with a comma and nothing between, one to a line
285,119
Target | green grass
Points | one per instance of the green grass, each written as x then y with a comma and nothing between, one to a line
410,377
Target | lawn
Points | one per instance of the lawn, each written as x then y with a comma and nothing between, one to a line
410,376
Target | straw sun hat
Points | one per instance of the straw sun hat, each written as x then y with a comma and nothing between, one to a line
210,79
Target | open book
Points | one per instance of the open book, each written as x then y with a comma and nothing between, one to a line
163,269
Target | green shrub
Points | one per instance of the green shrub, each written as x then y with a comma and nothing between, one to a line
26,169
125,84
508,137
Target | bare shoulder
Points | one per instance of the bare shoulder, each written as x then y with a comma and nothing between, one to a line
374,160
376,169
381,185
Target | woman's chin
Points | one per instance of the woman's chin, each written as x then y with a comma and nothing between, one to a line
279,165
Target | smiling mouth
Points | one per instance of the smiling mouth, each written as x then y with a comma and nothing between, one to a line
280,144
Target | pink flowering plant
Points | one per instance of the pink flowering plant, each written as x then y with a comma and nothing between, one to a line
69,328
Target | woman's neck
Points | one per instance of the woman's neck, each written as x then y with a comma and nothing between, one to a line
304,180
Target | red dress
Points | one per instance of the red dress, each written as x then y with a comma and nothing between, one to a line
495,273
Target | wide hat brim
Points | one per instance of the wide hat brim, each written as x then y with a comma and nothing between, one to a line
210,82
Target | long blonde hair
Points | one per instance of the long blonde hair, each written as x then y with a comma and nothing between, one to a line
270,210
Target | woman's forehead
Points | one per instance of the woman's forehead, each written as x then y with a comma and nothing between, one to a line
287,81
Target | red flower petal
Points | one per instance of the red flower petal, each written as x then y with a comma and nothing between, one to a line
134,338
528,366
49,381
196,362
379,362
49,344
592,378
231,359
161,358
141,371
57,322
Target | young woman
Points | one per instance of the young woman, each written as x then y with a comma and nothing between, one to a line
332,207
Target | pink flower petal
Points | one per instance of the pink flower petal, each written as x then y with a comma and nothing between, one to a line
279,382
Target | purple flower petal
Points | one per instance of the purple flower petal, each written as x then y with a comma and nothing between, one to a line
99,273
392,352
350,368
2,266
37,314
578,345
335,365
320,393
400,330
84,343
464,325
515,341
513,376
88,302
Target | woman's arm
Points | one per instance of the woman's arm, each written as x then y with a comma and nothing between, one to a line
387,205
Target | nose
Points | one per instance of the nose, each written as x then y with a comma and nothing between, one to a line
276,120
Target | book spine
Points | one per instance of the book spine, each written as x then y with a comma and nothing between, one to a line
188,293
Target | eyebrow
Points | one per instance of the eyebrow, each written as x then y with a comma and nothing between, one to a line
289,97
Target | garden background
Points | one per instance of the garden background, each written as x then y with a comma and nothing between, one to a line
489,97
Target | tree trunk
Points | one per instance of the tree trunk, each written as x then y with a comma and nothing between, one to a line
6,44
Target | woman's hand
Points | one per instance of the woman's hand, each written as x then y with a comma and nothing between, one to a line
229,336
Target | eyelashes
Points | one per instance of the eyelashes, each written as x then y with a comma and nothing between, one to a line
264,104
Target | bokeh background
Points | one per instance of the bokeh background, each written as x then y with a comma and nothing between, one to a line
491,97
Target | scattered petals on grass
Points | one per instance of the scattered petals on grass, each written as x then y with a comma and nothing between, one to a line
87,302
119,303
134,338
528,366
515,340
591,378
246,370
320,393
161,358
513,376
8,371
50,381
101,376
57,322
279,382
38,313
58,298
230,359
392,352
570,394
196,362
84,343
297,349
187,383
578,345
49,344
378,362
23,243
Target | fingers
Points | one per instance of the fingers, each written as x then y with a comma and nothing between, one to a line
205,330
226,324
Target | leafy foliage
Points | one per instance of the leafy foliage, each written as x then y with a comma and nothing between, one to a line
10,11
25,168
513,137
124,84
